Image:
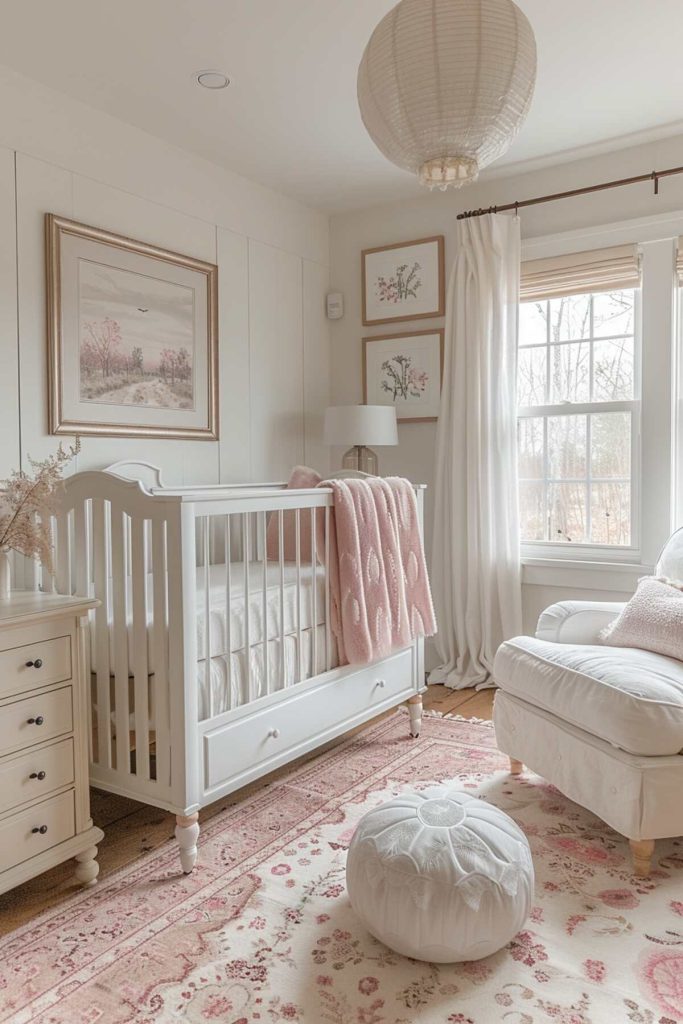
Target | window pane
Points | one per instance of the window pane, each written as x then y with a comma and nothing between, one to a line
611,513
532,511
533,318
613,370
530,437
566,447
613,313
611,444
570,317
567,511
531,376
570,373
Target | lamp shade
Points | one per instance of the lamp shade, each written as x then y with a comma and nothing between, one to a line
361,424
444,85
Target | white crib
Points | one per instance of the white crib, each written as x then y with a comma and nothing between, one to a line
211,663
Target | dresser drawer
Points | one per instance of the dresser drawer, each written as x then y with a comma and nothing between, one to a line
34,719
277,732
19,841
36,773
37,664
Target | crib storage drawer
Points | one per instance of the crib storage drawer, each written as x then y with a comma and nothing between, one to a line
34,719
275,733
36,664
36,773
37,829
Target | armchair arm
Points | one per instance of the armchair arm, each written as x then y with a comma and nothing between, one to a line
577,622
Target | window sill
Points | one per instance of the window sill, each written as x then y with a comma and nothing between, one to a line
574,574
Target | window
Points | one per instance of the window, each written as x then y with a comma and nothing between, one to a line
578,395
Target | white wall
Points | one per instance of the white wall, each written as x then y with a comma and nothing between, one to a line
60,156
435,213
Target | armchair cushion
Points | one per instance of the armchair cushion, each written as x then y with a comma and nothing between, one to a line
633,699
577,622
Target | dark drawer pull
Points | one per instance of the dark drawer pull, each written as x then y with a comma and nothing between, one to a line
35,721
38,663
37,775
42,829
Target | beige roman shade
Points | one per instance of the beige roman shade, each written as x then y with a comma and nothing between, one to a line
599,270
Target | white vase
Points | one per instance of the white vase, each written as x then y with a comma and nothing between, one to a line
5,574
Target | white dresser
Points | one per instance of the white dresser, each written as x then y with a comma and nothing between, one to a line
44,796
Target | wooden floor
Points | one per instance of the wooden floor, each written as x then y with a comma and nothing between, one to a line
132,829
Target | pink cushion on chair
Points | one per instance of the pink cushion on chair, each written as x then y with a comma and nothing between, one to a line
652,620
301,476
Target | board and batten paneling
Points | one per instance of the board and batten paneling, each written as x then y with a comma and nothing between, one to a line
276,361
9,354
316,365
262,295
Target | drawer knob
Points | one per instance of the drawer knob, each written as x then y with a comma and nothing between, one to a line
381,683
38,663
275,733
41,829
37,775
35,721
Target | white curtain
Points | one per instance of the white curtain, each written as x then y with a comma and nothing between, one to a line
476,569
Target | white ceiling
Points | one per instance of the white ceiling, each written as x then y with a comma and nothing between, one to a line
607,69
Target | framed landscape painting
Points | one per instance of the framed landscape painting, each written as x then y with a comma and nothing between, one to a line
404,370
132,332
404,281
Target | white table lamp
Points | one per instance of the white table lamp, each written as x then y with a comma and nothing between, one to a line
361,426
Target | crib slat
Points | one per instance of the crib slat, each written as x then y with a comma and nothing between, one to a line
297,545
140,667
119,628
63,560
160,651
264,598
246,548
102,618
207,617
281,554
314,595
228,609
328,635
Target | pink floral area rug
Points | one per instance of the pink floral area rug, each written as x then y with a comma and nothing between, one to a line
263,931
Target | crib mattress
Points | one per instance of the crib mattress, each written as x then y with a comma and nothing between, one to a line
264,616
246,680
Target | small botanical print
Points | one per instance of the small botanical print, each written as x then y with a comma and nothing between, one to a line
403,281
404,370
402,285
402,379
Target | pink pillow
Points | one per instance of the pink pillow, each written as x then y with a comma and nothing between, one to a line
301,476
652,619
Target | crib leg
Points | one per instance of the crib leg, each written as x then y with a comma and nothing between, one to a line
415,712
187,833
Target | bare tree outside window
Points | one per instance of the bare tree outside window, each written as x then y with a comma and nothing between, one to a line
576,391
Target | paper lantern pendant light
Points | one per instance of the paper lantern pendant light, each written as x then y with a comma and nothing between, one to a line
444,85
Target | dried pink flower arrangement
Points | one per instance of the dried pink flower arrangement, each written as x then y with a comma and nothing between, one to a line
28,501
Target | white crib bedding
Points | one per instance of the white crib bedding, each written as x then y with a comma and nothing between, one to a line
241,688
218,616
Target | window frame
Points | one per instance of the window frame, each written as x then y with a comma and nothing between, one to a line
586,551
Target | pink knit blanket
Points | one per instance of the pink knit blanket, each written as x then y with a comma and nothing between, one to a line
379,588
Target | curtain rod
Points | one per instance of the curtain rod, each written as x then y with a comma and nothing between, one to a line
653,176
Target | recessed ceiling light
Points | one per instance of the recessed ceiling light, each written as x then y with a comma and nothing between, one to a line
212,79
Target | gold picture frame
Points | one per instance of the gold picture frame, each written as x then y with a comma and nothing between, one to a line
113,370
424,396
405,280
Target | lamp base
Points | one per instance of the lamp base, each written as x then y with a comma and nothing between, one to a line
362,459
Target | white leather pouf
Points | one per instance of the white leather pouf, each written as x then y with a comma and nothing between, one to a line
440,876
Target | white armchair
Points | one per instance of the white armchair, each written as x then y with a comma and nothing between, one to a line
603,724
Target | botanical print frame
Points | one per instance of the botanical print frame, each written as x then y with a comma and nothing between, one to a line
132,336
406,371
404,281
